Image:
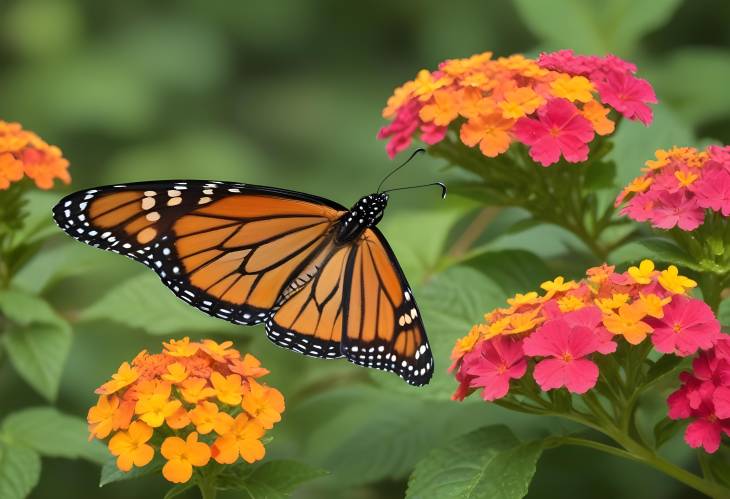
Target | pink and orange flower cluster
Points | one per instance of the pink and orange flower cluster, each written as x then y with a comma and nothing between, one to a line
705,398
678,187
194,402
561,331
555,105
25,154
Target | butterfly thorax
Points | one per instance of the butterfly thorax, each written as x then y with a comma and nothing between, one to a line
367,212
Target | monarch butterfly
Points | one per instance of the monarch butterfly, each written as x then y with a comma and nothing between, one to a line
322,279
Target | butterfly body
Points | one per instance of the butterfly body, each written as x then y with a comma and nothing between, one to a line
367,212
321,278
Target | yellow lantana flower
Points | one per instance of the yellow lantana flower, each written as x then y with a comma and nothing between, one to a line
643,273
573,88
557,285
675,283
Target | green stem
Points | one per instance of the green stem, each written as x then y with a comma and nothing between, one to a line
647,457
712,286
208,489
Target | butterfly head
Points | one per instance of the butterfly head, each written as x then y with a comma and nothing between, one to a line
367,212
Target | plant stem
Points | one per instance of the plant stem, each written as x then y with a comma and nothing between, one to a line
712,286
649,458
208,489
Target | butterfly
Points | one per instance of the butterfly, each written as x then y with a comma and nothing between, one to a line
321,278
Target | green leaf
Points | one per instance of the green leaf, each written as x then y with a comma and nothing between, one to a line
110,473
719,464
451,303
665,365
38,353
179,489
601,175
487,463
657,249
634,143
723,313
701,98
271,479
24,308
54,265
515,271
144,302
419,252
666,429
20,469
595,26
405,429
53,434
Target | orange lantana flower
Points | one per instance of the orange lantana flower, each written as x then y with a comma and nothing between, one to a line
23,153
124,376
228,389
101,417
264,404
489,131
243,439
131,446
190,389
182,455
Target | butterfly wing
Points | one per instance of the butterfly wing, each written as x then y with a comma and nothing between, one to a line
358,305
383,327
228,249
309,319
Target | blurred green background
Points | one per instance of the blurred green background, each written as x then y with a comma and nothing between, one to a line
289,94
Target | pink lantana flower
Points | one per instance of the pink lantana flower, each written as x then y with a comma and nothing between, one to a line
565,347
687,325
721,401
641,207
559,129
432,134
592,318
706,431
401,130
704,397
713,191
493,364
628,95
677,209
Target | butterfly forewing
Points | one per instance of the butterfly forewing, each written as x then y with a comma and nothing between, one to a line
227,249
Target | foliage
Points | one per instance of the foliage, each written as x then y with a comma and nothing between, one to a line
257,106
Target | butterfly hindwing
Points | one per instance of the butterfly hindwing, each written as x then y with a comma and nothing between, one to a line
309,318
358,305
383,327
228,249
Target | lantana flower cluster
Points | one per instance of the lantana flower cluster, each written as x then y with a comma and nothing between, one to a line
557,335
704,398
679,187
25,154
192,403
555,105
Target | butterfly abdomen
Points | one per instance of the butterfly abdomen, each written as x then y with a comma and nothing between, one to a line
367,212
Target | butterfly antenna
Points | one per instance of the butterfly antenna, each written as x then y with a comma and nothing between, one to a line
413,155
440,184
